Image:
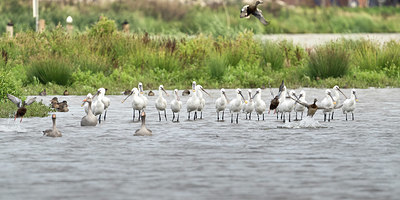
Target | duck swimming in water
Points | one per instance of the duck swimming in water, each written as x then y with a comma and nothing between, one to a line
21,105
248,10
143,131
54,132
90,119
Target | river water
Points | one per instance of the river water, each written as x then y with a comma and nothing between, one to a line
206,159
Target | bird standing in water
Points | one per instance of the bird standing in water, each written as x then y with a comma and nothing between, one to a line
21,105
248,10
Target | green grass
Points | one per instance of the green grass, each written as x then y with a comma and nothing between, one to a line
331,60
84,62
172,18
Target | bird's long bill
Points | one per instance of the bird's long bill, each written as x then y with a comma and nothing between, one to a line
296,96
281,86
342,93
242,96
225,97
97,93
177,96
202,89
165,91
193,87
254,95
127,97
334,102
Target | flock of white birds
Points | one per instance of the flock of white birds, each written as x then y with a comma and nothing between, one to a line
287,103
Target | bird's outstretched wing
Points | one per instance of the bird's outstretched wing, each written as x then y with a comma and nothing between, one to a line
299,102
30,101
15,100
258,14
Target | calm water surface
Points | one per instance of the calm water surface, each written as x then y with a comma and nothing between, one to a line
205,159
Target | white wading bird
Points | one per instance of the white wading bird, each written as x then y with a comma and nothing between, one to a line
235,106
176,105
161,103
220,104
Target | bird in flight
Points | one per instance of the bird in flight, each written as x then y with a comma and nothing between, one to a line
248,10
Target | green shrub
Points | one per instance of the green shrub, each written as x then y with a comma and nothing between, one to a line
104,27
329,60
217,66
8,85
272,54
52,69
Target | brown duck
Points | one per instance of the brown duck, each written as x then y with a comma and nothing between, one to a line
248,10
21,105
312,108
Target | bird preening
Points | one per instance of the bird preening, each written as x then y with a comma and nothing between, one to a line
252,9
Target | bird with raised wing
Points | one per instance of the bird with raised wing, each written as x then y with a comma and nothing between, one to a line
252,9
21,105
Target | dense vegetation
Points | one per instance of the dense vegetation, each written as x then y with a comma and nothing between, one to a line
105,57
166,17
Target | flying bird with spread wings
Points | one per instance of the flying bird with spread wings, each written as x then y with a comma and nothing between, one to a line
252,9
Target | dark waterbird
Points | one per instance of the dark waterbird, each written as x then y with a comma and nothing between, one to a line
311,108
275,101
43,93
21,105
54,132
252,9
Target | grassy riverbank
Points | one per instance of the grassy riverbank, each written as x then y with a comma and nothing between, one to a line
105,57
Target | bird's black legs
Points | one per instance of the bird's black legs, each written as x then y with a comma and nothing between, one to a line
223,114
329,118
332,115
237,118
324,117
173,116
263,116
133,114
165,115
250,116
159,116
178,117
99,118
296,117
289,116
346,116
352,116
301,115
105,114
195,115
231,117
188,115
201,114
258,116
139,118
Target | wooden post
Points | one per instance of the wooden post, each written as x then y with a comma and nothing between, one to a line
125,27
42,25
10,29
